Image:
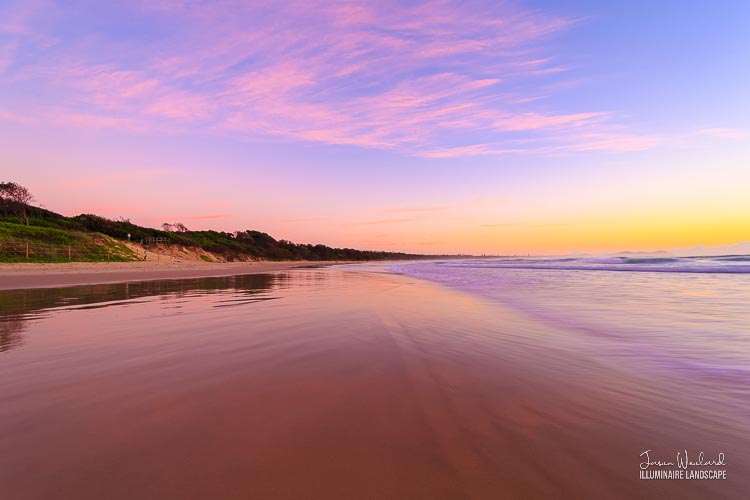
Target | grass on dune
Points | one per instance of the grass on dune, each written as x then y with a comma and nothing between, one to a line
48,244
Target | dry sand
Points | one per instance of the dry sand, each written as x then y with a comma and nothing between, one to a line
33,275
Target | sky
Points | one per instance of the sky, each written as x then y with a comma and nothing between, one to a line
493,127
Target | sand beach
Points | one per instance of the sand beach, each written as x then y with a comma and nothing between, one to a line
38,275
353,381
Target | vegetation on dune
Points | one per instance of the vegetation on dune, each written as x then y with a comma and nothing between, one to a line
15,198
46,244
94,237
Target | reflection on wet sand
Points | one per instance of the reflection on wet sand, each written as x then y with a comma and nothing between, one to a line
11,331
346,385
19,306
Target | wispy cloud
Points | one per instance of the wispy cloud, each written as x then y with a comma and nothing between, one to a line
7,52
14,117
205,217
407,77
116,178
473,150
17,19
416,209
607,141
499,224
724,133
303,219
393,220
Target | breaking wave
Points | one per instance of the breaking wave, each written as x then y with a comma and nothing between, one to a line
734,264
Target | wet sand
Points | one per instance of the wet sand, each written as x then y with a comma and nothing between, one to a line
325,384
34,275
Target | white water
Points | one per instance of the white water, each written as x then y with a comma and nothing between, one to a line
734,264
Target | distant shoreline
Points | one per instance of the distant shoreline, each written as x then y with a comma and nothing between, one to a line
36,275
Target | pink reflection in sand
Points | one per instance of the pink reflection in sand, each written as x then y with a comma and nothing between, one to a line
327,384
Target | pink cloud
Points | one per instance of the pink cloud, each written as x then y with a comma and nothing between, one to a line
108,84
94,121
577,141
180,105
407,77
205,216
724,133
418,209
617,142
473,150
16,19
132,175
7,54
394,220
15,117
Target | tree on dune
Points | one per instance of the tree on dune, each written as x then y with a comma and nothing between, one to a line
16,196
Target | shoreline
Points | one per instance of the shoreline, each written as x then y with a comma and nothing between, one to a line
44,275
